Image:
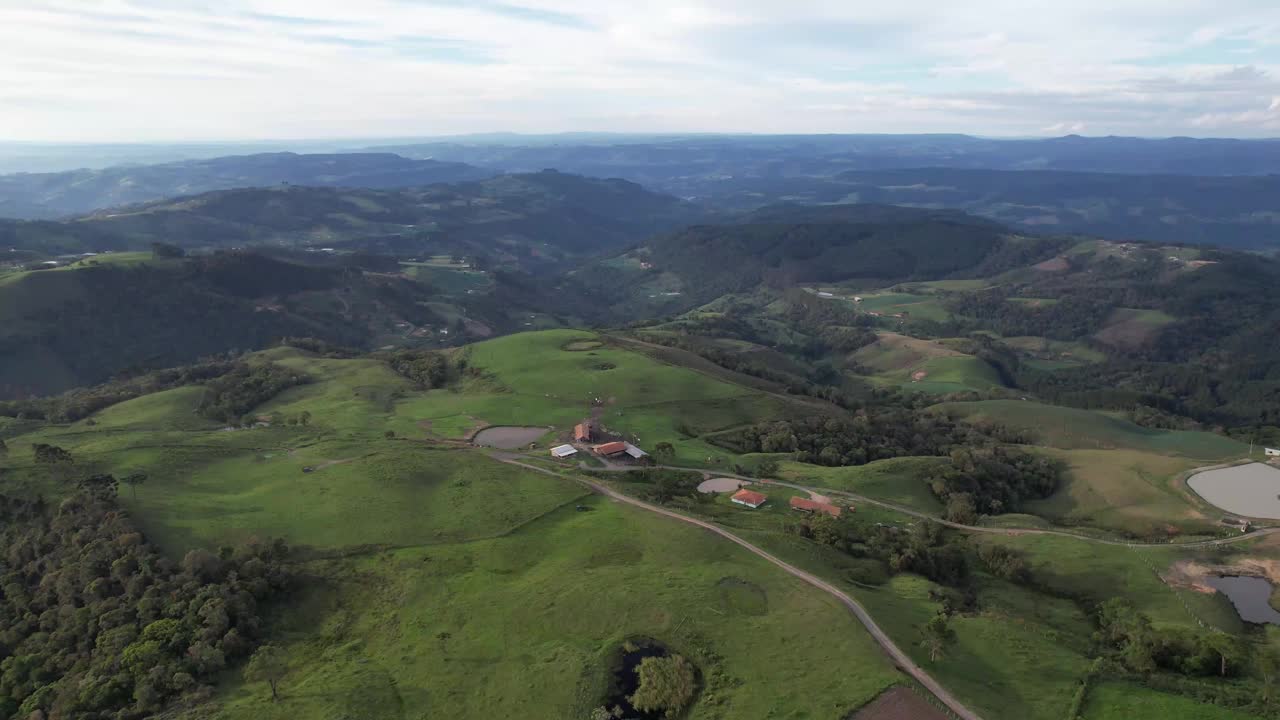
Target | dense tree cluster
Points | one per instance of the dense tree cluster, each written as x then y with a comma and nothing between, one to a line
992,481
80,403
232,396
1141,647
1070,319
925,549
425,368
96,624
865,436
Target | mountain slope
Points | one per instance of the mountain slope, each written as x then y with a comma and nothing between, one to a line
50,195
82,324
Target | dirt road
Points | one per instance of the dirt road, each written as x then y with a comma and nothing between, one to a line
899,657
1263,532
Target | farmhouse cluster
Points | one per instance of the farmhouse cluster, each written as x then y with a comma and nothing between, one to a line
585,434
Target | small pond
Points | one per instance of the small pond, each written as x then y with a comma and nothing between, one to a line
1251,490
508,437
1250,595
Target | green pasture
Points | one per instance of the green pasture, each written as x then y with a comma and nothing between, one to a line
1076,429
521,626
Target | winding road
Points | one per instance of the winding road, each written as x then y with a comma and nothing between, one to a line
900,658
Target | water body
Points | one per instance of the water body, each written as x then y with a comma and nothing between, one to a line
1251,490
1250,595
508,437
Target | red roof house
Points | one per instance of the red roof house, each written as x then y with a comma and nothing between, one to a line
811,506
582,432
750,498
611,448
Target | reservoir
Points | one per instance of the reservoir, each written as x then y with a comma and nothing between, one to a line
1251,490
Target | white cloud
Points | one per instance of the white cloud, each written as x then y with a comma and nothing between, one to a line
181,69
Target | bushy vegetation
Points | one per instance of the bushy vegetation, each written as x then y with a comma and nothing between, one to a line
80,403
667,685
925,550
426,369
95,623
230,397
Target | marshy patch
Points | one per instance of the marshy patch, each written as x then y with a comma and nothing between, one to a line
582,345
736,596
601,366
647,681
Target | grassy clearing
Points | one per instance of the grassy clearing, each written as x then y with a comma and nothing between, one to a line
925,365
1125,701
914,306
898,480
1133,328
1075,429
1046,354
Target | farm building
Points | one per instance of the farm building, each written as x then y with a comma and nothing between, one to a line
812,506
563,451
610,448
635,452
582,432
750,498
1272,452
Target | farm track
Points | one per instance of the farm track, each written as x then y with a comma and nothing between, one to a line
1263,532
896,654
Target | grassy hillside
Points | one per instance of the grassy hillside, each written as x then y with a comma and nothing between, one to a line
433,576
1075,429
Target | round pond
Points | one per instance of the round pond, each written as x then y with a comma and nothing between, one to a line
1251,490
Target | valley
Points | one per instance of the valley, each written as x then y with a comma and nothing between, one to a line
469,426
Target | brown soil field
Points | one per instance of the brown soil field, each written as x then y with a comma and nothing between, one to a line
899,704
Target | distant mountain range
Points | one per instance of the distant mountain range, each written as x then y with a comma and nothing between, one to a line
1240,211
530,222
51,195
666,162
1186,190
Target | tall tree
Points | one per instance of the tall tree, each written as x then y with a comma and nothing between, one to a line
133,481
267,665
938,636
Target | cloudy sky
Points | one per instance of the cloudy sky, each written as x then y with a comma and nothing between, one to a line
146,70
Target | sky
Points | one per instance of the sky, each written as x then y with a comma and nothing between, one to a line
181,70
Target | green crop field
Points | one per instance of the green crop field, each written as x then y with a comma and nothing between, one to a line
1073,429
